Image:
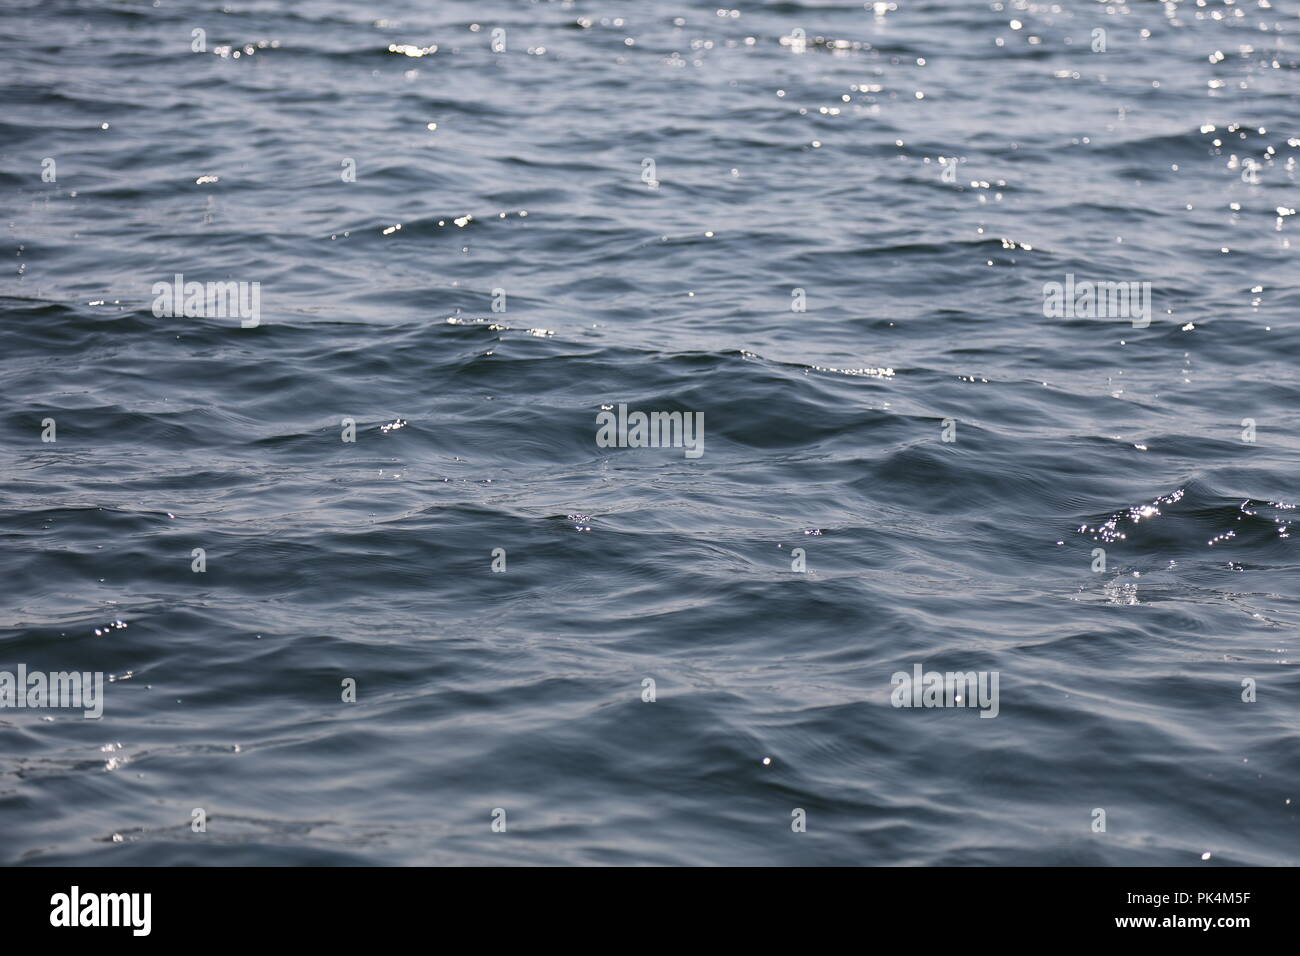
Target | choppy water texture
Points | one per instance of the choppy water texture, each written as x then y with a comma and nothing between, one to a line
779,165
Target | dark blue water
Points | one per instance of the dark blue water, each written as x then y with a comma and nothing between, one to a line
782,161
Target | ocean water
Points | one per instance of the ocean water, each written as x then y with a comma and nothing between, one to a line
826,227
